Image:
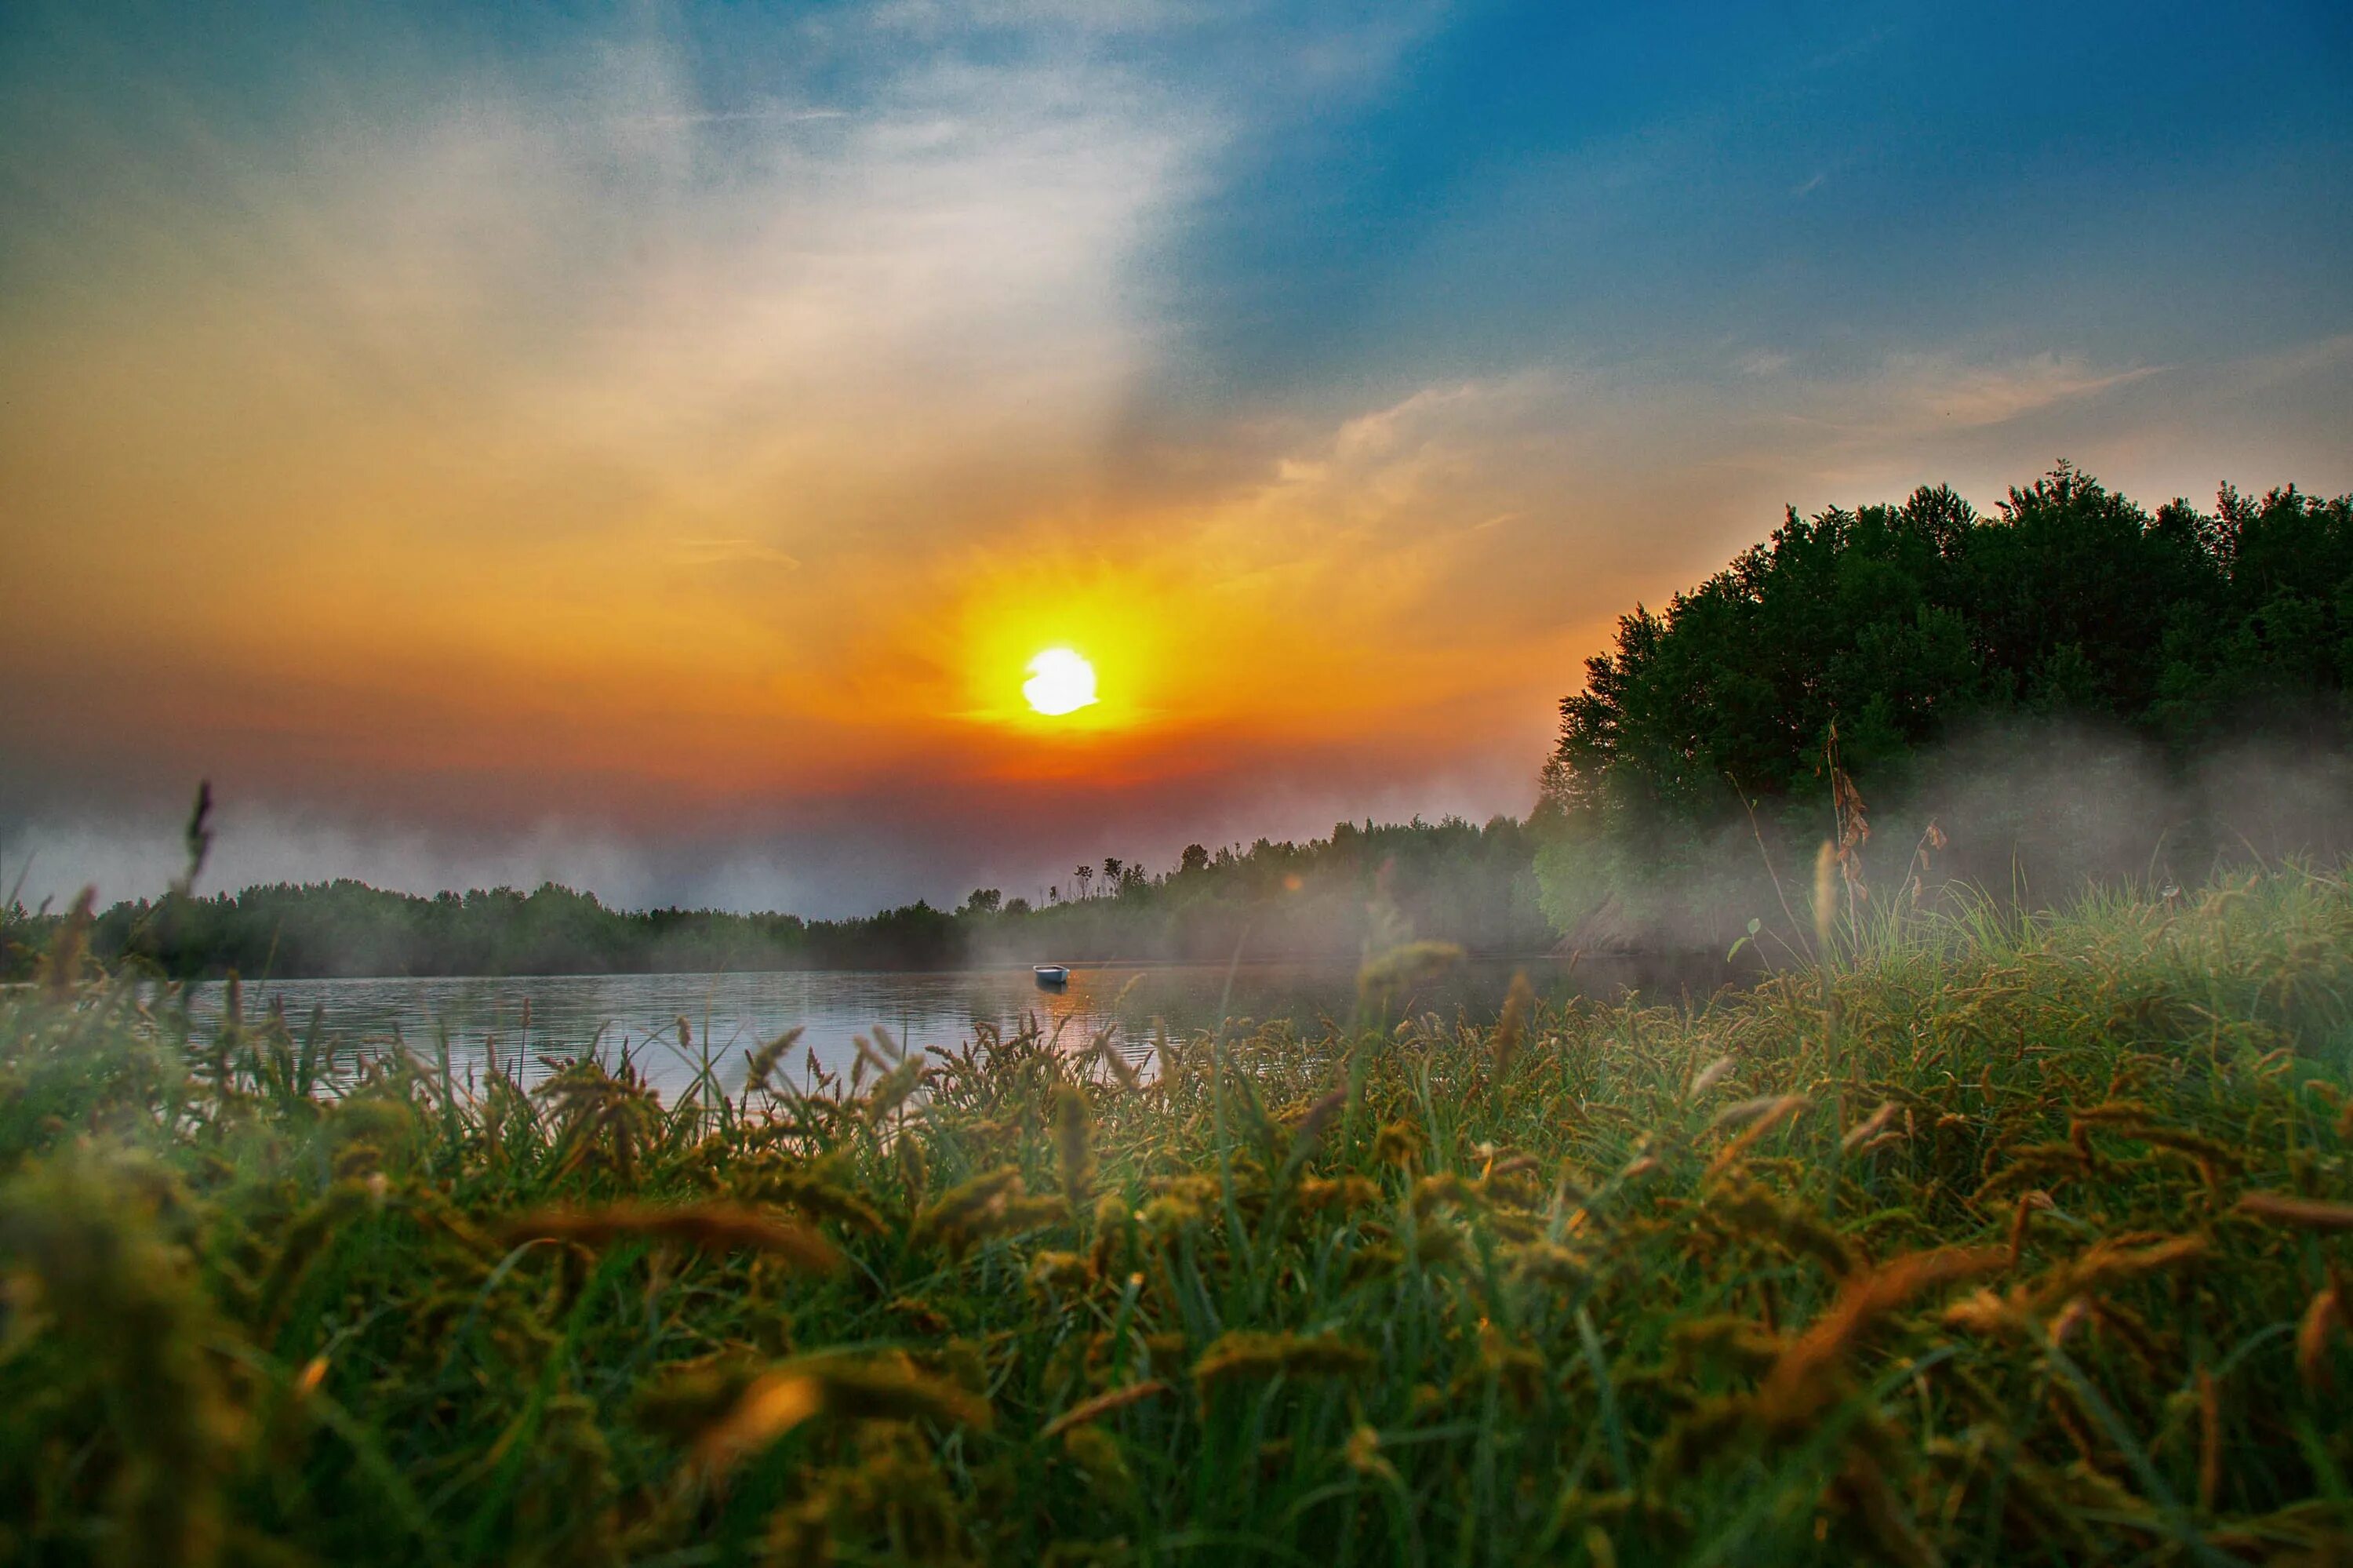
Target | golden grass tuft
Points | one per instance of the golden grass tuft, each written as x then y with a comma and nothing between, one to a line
1106,1404
847,1387
2305,1213
711,1227
1807,1376
1427,1293
1241,1355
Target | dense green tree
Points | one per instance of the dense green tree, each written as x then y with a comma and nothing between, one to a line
1872,634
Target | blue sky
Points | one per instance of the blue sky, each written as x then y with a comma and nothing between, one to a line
1646,185
615,443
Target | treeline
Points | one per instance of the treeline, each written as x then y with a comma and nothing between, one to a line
348,928
1365,885
2071,687
1324,899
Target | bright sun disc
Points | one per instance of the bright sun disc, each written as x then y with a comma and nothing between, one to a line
1060,683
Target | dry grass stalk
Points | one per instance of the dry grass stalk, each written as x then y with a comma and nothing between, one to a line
817,1191
1707,1077
1340,1194
61,969
995,1204
1240,1354
1754,1210
2109,1263
711,1227
844,1387
1122,1072
1101,1406
1807,1376
2309,1213
770,1407
761,1065
2323,1320
1766,1108
1762,1117
1309,1132
1870,1127
894,1087
2029,1205
1512,1028
1398,1143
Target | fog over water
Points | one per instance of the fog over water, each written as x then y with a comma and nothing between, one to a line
729,1014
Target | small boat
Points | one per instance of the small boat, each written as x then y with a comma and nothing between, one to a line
1053,975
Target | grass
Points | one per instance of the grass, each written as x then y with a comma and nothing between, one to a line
1988,1242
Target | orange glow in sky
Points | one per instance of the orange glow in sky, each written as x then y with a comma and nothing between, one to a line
596,433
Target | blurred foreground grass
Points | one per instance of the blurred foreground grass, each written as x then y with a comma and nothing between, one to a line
1989,1244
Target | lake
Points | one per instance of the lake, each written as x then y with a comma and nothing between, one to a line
729,1014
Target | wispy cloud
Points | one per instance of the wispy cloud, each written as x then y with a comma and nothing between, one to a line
1940,387
1913,392
676,441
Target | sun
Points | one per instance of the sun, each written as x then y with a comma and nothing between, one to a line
1060,683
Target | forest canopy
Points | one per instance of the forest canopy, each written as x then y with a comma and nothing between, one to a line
2070,628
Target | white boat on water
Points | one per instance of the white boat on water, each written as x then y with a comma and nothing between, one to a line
1052,974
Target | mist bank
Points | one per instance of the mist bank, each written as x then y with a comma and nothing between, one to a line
1365,887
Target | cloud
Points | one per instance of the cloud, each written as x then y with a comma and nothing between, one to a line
472,380
654,464
1917,390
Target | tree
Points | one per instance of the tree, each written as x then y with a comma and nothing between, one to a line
1085,874
1195,858
1901,624
984,901
1113,865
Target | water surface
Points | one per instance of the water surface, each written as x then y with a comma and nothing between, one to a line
727,1015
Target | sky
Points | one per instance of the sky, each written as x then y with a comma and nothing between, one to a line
643,446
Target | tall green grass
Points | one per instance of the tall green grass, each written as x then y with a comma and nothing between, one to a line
1987,1240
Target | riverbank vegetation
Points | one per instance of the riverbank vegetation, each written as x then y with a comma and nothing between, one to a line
1982,1241
1327,899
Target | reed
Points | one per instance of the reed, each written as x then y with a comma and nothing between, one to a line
1989,1242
